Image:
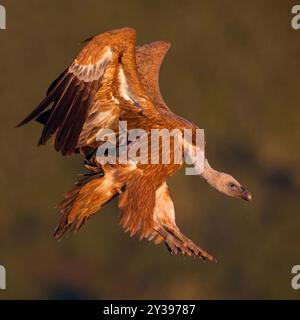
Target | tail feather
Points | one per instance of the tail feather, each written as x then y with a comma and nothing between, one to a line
88,196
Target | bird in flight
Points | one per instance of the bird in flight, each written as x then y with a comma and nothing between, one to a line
113,80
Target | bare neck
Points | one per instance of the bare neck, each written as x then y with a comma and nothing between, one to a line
210,175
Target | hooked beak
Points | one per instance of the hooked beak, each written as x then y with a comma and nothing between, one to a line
246,195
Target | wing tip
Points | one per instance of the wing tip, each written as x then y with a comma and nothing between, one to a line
164,43
23,122
124,30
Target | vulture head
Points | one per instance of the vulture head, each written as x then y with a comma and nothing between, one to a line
228,185
225,183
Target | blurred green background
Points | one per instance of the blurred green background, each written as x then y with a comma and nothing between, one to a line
234,69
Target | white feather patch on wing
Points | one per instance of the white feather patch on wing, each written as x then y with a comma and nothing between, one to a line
91,72
125,90
124,86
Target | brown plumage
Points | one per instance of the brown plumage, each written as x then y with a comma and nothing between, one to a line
112,80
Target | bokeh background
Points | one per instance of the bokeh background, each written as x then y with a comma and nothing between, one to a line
234,69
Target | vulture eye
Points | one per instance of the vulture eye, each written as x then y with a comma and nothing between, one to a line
232,186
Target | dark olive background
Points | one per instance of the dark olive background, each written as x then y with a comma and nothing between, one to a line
234,69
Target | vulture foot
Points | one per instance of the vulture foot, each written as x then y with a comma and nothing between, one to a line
177,243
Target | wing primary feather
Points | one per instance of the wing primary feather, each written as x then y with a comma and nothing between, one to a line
75,130
54,94
67,137
43,117
59,110
69,117
76,126
54,84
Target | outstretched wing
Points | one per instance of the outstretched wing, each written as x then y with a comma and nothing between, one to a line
149,58
100,86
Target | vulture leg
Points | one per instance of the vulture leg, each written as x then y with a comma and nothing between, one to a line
167,230
174,245
189,244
